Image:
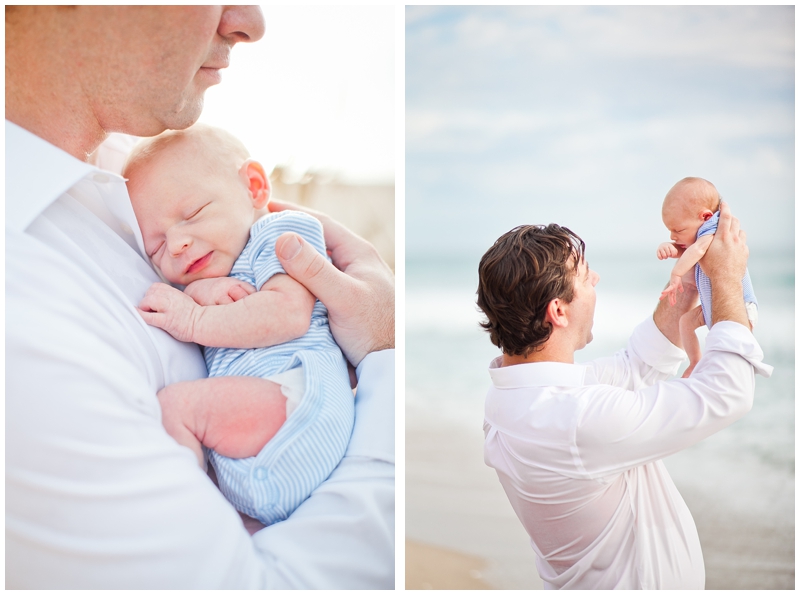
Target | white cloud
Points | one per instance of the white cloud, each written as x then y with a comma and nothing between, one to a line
744,36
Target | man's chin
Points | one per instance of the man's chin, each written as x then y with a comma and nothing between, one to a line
588,340
188,115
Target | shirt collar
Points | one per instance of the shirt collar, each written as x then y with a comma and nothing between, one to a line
37,173
540,374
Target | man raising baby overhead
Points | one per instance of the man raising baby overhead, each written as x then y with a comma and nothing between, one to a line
277,409
691,214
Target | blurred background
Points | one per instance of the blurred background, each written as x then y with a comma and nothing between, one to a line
586,116
314,102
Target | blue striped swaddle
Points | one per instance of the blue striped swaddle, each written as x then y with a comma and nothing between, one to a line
704,283
314,437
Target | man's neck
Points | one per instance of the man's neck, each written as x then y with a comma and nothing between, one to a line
550,352
32,83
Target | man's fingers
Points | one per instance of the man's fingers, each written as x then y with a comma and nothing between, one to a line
735,226
307,266
345,246
725,217
276,206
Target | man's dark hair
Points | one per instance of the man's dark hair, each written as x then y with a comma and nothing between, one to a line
519,276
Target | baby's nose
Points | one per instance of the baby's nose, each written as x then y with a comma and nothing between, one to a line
177,245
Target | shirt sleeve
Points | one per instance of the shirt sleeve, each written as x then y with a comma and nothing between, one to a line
99,496
621,429
649,358
261,248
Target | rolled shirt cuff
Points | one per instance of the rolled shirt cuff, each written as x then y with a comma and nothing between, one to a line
373,433
654,349
733,337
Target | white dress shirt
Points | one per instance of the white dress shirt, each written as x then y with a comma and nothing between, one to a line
578,451
98,495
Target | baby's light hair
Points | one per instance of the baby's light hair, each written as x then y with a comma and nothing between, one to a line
707,196
216,142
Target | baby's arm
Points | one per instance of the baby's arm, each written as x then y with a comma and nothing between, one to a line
279,312
690,257
216,291
668,250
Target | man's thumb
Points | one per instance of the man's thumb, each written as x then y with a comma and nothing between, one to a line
304,264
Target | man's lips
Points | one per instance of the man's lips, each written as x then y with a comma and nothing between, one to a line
213,74
198,264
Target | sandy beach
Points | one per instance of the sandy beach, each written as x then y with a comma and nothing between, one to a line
455,503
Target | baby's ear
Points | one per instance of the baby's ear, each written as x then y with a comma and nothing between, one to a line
706,215
257,182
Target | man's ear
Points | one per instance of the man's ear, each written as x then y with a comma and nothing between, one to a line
257,181
556,313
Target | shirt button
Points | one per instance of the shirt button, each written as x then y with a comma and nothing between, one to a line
126,228
261,473
101,178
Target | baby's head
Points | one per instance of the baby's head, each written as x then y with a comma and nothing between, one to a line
688,204
195,192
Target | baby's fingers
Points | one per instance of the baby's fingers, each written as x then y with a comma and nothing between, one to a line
237,292
152,318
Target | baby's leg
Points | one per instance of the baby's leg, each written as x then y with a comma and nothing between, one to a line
233,415
689,323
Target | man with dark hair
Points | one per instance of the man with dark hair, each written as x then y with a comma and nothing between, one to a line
97,493
524,271
578,448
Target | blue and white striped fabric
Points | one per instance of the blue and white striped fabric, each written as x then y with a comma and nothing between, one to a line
704,283
313,440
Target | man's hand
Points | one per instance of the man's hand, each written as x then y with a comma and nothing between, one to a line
725,263
169,309
667,317
667,250
675,285
218,291
357,290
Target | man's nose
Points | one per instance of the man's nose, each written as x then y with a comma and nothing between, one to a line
596,278
241,23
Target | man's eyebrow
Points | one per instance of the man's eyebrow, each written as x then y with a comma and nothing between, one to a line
586,276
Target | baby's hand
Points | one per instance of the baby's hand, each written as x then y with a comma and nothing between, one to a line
218,291
169,309
675,285
667,250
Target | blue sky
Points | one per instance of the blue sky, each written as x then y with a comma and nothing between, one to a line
586,116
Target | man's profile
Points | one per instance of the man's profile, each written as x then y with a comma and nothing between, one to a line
578,448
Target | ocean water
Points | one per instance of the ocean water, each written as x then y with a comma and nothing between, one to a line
748,468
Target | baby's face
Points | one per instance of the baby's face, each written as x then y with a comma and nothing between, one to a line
195,219
682,226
